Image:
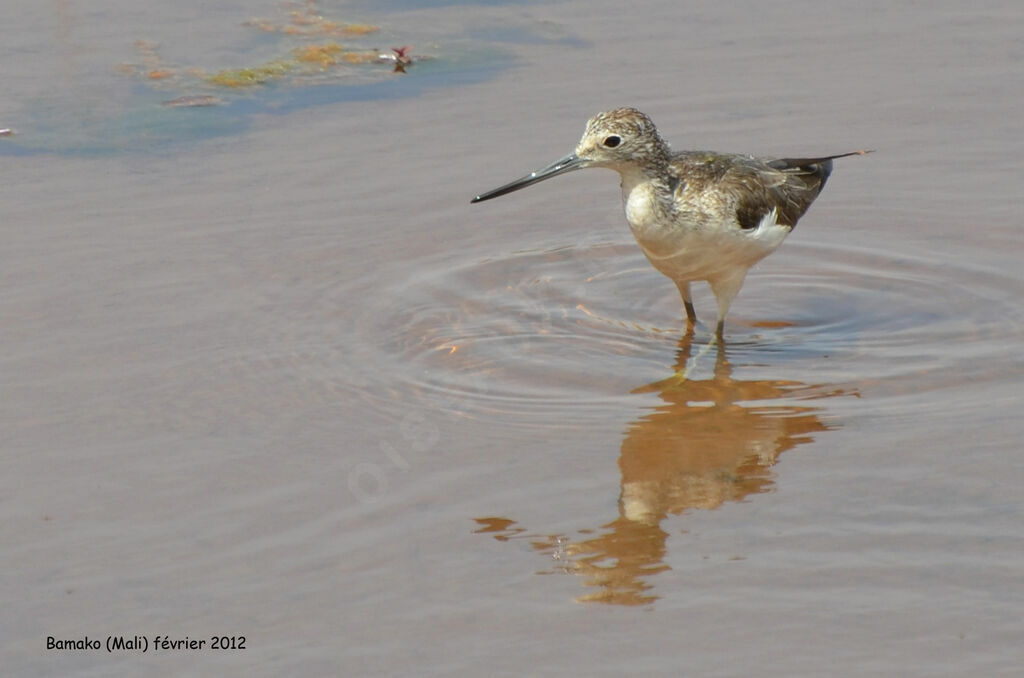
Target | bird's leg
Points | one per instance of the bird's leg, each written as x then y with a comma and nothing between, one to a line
684,291
691,315
726,288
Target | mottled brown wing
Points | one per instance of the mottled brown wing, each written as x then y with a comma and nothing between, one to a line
786,185
803,180
727,185
755,186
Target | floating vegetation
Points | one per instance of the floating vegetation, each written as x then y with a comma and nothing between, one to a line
324,55
322,28
315,57
295,61
247,77
332,53
304,60
308,21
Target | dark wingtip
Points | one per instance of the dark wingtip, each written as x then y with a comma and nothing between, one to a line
863,151
799,163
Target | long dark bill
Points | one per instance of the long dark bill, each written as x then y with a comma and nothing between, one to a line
566,164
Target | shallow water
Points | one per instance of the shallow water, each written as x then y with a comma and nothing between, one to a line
271,375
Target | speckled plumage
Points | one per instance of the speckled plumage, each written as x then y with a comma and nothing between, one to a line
697,215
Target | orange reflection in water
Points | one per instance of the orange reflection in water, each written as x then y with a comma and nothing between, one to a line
713,440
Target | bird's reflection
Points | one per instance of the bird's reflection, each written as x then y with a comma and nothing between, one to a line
713,440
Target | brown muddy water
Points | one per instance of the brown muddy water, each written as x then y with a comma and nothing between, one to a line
268,374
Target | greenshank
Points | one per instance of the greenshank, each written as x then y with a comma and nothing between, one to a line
697,215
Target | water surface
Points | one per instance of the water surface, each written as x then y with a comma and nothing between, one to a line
271,375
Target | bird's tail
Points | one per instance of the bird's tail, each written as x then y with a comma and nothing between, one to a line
820,167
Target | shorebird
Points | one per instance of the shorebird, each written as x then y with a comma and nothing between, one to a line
697,215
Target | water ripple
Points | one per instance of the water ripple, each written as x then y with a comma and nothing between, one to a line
572,329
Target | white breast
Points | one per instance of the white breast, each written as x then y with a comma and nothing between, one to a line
698,248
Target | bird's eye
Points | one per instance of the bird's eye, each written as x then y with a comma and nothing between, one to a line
612,141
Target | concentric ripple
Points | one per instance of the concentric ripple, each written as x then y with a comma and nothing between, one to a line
515,334
569,332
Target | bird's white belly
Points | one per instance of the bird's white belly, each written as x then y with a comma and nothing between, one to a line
704,251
